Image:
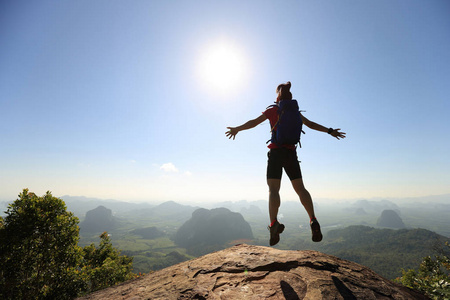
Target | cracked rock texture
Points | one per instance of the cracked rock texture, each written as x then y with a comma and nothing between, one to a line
256,272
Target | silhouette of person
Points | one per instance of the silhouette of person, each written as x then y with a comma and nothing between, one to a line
285,157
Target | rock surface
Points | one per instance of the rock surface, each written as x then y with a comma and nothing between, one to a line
256,272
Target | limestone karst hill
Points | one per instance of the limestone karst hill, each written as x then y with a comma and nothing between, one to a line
256,272
98,220
211,227
390,219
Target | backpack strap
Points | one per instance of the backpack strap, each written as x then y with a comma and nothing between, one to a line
279,114
273,127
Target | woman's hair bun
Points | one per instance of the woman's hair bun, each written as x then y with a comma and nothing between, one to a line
284,87
283,91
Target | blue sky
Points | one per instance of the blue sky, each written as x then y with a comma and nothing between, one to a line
110,99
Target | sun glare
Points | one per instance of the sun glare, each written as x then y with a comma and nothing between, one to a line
222,67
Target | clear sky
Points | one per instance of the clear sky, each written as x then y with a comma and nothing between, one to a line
130,100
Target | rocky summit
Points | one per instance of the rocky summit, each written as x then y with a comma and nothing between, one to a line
256,272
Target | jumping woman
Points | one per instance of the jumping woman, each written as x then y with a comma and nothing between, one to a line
284,156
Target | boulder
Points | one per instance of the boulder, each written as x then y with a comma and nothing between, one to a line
257,272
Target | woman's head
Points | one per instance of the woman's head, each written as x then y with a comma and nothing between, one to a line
283,91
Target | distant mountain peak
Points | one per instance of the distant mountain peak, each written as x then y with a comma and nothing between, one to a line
390,219
98,219
212,227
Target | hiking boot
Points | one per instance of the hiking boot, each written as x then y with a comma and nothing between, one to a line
275,231
315,229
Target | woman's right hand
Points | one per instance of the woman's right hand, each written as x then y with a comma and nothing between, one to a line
231,133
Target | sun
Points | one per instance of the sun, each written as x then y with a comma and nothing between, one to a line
222,67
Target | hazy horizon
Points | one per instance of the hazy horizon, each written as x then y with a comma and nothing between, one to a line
429,199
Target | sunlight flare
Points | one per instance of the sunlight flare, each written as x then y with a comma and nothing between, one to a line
222,67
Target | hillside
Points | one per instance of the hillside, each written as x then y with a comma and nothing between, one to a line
256,272
386,251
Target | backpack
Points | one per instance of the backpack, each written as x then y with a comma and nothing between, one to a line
288,128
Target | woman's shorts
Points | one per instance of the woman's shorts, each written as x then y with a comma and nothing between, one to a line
282,158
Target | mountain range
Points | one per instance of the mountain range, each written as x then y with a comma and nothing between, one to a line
352,230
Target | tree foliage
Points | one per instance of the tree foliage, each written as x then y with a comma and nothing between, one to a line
104,266
40,257
38,249
432,277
